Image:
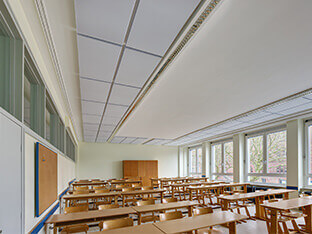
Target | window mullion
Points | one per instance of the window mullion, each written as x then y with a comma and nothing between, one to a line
265,154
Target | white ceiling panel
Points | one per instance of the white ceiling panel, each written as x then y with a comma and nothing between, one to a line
288,104
92,127
89,138
93,108
123,95
106,19
97,60
110,120
308,96
117,139
139,140
91,118
158,22
115,110
94,90
296,109
107,127
136,68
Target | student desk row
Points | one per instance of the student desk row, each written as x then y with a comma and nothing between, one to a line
174,226
184,225
258,196
98,183
161,182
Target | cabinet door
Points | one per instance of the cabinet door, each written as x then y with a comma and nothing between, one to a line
130,168
10,176
147,170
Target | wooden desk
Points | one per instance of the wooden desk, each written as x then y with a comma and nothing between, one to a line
285,205
225,200
202,221
61,220
140,229
189,179
126,182
95,183
164,206
141,192
68,198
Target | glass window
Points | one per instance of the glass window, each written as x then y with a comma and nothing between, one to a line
195,161
27,86
70,147
11,64
266,157
309,154
222,161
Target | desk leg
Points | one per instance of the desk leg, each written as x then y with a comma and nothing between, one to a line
161,197
224,204
232,228
245,188
139,218
190,211
123,200
274,222
54,230
286,196
258,207
191,194
308,219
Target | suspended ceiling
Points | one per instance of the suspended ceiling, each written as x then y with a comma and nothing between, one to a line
247,54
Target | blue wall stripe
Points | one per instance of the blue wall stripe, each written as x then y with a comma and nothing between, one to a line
292,187
40,225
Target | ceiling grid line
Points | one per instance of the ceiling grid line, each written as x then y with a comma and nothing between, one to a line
118,63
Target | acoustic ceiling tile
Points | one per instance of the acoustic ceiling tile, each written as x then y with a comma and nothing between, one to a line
91,118
94,90
115,110
106,19
128,140
93,108
158,22
139,140
97,60
136,67
279,108
123,95
296,109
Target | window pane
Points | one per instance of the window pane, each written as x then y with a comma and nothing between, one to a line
223,177
255,154
276,149
268,180
228,157
193,161
217,155
27,88
199,160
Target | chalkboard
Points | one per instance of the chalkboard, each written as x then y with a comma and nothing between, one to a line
46,178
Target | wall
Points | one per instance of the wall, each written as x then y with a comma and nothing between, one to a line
66,173
104,160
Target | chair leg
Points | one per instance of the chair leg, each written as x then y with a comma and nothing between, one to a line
295,225
285,227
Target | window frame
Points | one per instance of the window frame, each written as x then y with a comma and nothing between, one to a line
265,172
306,159
212,164
189,160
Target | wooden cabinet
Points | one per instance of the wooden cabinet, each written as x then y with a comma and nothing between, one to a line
145,169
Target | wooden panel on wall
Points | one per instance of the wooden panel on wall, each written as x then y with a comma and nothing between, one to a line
46,178
145,169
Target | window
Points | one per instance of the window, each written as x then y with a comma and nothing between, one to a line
308,168
266,158
222,161
195,161
70,147
11,63
34,98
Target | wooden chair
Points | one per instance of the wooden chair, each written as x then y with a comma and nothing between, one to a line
116,223
129,199
148,218
102,201
168,200
201,211
79,227
148,196
170,216
103,190
120,186
99,187
108,206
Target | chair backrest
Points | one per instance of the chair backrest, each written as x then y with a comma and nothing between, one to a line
98,187
81,188
147,188
201,211
95,180
128,189
82,181
168,200
74,209
101,191
80,192
117,223
135,185
108,206
170,216
147,202
121,186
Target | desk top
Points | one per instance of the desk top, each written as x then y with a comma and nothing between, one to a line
223,185
87,215
198,222
139,229
197,183
90,195
163,206
143,192
89,183
255,194
289,204
126,182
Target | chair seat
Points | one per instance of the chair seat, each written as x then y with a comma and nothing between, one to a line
75,228
210,231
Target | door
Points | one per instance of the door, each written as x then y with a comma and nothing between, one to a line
10,176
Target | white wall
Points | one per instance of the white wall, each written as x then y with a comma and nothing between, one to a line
66,173
104,160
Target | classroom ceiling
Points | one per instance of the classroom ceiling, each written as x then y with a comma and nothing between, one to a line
246,55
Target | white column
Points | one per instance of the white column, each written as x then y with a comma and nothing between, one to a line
238,157
295,150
